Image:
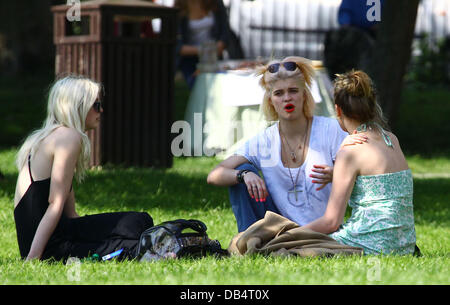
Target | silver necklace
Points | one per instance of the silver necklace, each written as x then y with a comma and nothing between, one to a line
294,184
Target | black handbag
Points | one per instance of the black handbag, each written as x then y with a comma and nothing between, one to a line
170,240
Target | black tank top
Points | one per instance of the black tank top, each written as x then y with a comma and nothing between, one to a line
29,212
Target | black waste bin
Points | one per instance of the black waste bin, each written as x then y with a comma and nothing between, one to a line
128,46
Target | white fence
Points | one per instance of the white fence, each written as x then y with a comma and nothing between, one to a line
287,27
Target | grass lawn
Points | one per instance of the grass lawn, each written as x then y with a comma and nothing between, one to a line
182,192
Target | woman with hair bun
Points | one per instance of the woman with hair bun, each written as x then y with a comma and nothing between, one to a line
47,223
373,178
294,155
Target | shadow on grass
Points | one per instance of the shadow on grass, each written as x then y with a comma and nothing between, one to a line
140,189
173,192
8,185
148,189
431,201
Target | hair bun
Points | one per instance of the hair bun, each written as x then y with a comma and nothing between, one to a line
356,83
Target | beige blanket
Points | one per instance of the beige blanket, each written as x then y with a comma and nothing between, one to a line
277,235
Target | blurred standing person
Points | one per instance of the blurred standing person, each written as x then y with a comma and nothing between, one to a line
357,13
201,21
350,46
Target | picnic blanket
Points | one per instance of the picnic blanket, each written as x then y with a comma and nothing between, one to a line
277,235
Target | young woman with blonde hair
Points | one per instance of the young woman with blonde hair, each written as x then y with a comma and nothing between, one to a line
294,154
47,223
373,178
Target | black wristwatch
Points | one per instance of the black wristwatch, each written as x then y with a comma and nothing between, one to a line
240,175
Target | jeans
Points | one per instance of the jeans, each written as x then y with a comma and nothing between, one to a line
188,66
246,210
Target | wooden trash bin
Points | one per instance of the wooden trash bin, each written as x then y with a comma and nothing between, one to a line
129,47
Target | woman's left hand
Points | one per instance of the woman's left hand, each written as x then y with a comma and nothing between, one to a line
323,174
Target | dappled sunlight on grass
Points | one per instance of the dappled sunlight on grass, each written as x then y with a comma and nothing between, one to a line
182,192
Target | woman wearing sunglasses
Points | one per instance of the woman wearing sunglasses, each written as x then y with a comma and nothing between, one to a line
295,155
47,223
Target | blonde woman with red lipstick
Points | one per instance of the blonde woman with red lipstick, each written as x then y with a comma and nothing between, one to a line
295,155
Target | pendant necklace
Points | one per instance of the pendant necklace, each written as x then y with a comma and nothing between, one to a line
293,157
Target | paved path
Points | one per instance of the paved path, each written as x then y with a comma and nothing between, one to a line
431,175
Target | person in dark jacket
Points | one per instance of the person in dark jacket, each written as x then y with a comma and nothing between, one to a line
201,21
361,14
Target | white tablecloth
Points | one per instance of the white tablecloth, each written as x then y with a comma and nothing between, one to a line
224,110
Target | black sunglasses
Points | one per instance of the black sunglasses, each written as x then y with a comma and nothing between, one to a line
97,106
288,65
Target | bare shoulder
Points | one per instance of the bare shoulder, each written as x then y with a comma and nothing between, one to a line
394,138
348,162
66,138
348,153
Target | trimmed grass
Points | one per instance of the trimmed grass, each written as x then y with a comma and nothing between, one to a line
182,192
422,126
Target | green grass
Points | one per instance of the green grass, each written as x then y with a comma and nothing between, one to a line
182,192
422,126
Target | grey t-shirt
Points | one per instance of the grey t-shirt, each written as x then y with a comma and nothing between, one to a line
201,30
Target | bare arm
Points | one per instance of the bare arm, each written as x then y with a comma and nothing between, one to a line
188,50
344,175
220,45
323,173
225,175
67,148
69,206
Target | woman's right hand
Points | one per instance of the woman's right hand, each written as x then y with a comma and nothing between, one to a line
256,187
355,138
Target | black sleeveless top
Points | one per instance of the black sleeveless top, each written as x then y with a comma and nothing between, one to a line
29,212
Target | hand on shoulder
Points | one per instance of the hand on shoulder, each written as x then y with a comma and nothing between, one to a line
354,139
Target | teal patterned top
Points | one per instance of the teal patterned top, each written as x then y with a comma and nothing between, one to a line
382,219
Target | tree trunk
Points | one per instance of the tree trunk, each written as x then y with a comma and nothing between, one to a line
26,28
392,53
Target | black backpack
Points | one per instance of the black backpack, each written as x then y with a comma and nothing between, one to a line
169,240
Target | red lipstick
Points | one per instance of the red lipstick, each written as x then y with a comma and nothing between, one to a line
289,107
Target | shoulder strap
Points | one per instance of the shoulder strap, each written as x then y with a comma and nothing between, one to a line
385,136
29,168
387,140
178,225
